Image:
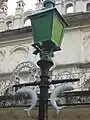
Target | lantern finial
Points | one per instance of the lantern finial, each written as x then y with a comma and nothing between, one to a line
49,3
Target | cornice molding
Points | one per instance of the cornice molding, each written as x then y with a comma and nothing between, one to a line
16,35
78,65
75,21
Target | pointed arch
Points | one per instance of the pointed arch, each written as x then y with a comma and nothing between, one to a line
26,14
17,55
2,55
9,22
69,8
88,7
23,48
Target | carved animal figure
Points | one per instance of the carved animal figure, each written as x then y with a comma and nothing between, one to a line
33,97
54,95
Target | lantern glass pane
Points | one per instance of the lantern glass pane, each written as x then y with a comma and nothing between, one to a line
57,31
42,27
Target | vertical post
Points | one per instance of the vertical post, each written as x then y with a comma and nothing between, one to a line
44,65
74,6
17,82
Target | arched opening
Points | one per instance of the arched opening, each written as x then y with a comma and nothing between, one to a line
19,5
17,55
9,25
69,8
40,0
3,9
26,71
27,23
88,7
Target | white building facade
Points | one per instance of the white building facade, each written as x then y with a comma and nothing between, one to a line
73,61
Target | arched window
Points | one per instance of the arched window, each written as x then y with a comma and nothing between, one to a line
9,25
69,8
88,7
27,22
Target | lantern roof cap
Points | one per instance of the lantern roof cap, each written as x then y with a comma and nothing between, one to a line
48,10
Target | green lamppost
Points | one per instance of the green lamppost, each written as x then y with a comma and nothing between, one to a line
47,29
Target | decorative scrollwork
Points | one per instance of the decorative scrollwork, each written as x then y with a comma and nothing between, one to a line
4,85
22,65
33,70
65,75
83,75
34,73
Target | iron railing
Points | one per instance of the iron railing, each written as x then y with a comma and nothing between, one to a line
69,98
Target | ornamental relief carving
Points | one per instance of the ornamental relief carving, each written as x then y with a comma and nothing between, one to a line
86,40
2,58
82,74
5,83
31,68
17,56
86,45
2,55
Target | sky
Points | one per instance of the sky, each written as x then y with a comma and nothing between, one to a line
30,4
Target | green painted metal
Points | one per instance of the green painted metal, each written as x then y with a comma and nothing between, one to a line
57,31
49,3
47,28
42,26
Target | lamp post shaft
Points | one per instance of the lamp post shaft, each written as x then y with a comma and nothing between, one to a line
44,65
43,101
46,44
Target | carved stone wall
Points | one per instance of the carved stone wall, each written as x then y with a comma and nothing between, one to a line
75,51
73,61
70,48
